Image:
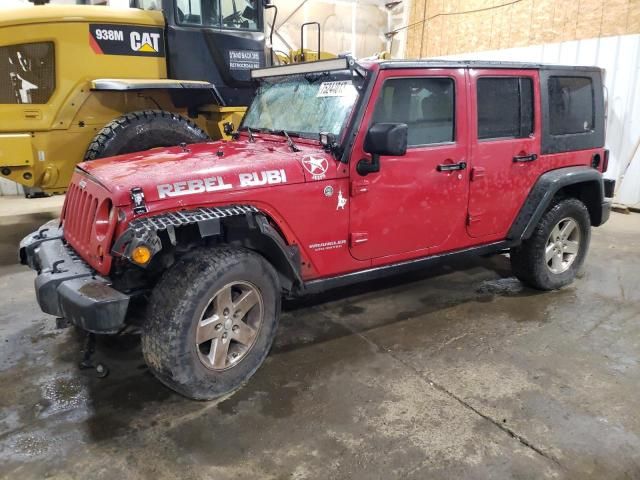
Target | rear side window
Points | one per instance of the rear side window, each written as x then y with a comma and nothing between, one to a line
426,105
570,105
505,107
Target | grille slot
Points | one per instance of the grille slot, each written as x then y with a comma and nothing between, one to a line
79,215
87,221
27,73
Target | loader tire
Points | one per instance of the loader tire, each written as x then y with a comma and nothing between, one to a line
139,131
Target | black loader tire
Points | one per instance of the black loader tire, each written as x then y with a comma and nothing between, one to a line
528,260
139,131
176,306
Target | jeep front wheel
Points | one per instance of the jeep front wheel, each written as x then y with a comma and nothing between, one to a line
212,320
554,254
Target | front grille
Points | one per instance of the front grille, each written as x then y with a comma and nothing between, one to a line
27,73
80,212
88,221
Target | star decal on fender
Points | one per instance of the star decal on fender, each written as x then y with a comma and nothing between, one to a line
316,166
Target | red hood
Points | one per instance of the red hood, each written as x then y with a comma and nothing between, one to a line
186,175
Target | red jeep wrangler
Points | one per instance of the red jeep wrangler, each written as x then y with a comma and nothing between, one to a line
340,172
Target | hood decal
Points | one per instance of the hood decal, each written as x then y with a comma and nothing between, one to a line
217,183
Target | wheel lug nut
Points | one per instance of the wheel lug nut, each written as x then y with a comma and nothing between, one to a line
235,328
225,312
234,355
218,326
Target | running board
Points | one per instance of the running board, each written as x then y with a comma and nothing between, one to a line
323,284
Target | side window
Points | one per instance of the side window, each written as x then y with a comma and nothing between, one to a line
150,4
426,105
570,105
241,14
236,14
190,12
505,107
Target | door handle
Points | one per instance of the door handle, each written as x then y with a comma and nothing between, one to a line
450,167
525,158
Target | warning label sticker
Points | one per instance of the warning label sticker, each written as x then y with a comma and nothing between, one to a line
244,59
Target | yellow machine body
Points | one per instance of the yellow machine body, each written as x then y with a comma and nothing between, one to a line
40,143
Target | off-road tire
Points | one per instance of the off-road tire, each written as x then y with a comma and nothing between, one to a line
176,305
528,260
139,131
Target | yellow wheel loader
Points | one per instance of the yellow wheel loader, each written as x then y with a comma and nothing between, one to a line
83,82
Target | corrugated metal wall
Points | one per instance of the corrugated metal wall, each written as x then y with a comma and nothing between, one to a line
620,56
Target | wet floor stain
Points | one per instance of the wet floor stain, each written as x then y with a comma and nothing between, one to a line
402,378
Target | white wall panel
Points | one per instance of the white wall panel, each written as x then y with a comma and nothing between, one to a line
7,187
620,57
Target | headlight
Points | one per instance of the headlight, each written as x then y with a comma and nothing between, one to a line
104,217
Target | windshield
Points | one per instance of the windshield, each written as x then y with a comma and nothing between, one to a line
303,104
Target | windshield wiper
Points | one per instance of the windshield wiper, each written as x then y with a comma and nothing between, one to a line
251,137
292,145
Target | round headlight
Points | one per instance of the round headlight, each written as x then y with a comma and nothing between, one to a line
141,255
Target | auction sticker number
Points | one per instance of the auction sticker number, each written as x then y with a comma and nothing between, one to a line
335,89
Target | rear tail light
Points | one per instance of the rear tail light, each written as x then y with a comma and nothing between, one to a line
605,162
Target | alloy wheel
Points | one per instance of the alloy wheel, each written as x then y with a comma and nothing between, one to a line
563,245
229,325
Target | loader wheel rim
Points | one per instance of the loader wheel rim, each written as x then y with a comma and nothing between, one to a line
229,325
563,245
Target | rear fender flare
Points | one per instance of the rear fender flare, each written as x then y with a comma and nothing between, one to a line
582,182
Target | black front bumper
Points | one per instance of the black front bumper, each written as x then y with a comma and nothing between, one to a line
67,287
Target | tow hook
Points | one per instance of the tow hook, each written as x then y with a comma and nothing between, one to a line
86,362
40,235
54,267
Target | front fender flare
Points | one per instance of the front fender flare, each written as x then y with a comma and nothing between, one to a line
256,233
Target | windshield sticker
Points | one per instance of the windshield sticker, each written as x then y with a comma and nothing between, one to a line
342,201
316,166
332,245
215,184
335,89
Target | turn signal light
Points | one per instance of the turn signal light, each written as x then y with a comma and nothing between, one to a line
141,255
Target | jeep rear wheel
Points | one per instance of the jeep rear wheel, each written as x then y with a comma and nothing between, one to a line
554,254
139,131
212,319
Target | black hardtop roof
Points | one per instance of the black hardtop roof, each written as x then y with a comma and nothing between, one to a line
443,63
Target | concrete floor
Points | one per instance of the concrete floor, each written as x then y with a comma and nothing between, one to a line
459,373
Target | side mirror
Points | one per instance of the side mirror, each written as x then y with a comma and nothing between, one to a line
383,139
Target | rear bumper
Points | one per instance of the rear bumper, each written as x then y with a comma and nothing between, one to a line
609,187
67,287
606,212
